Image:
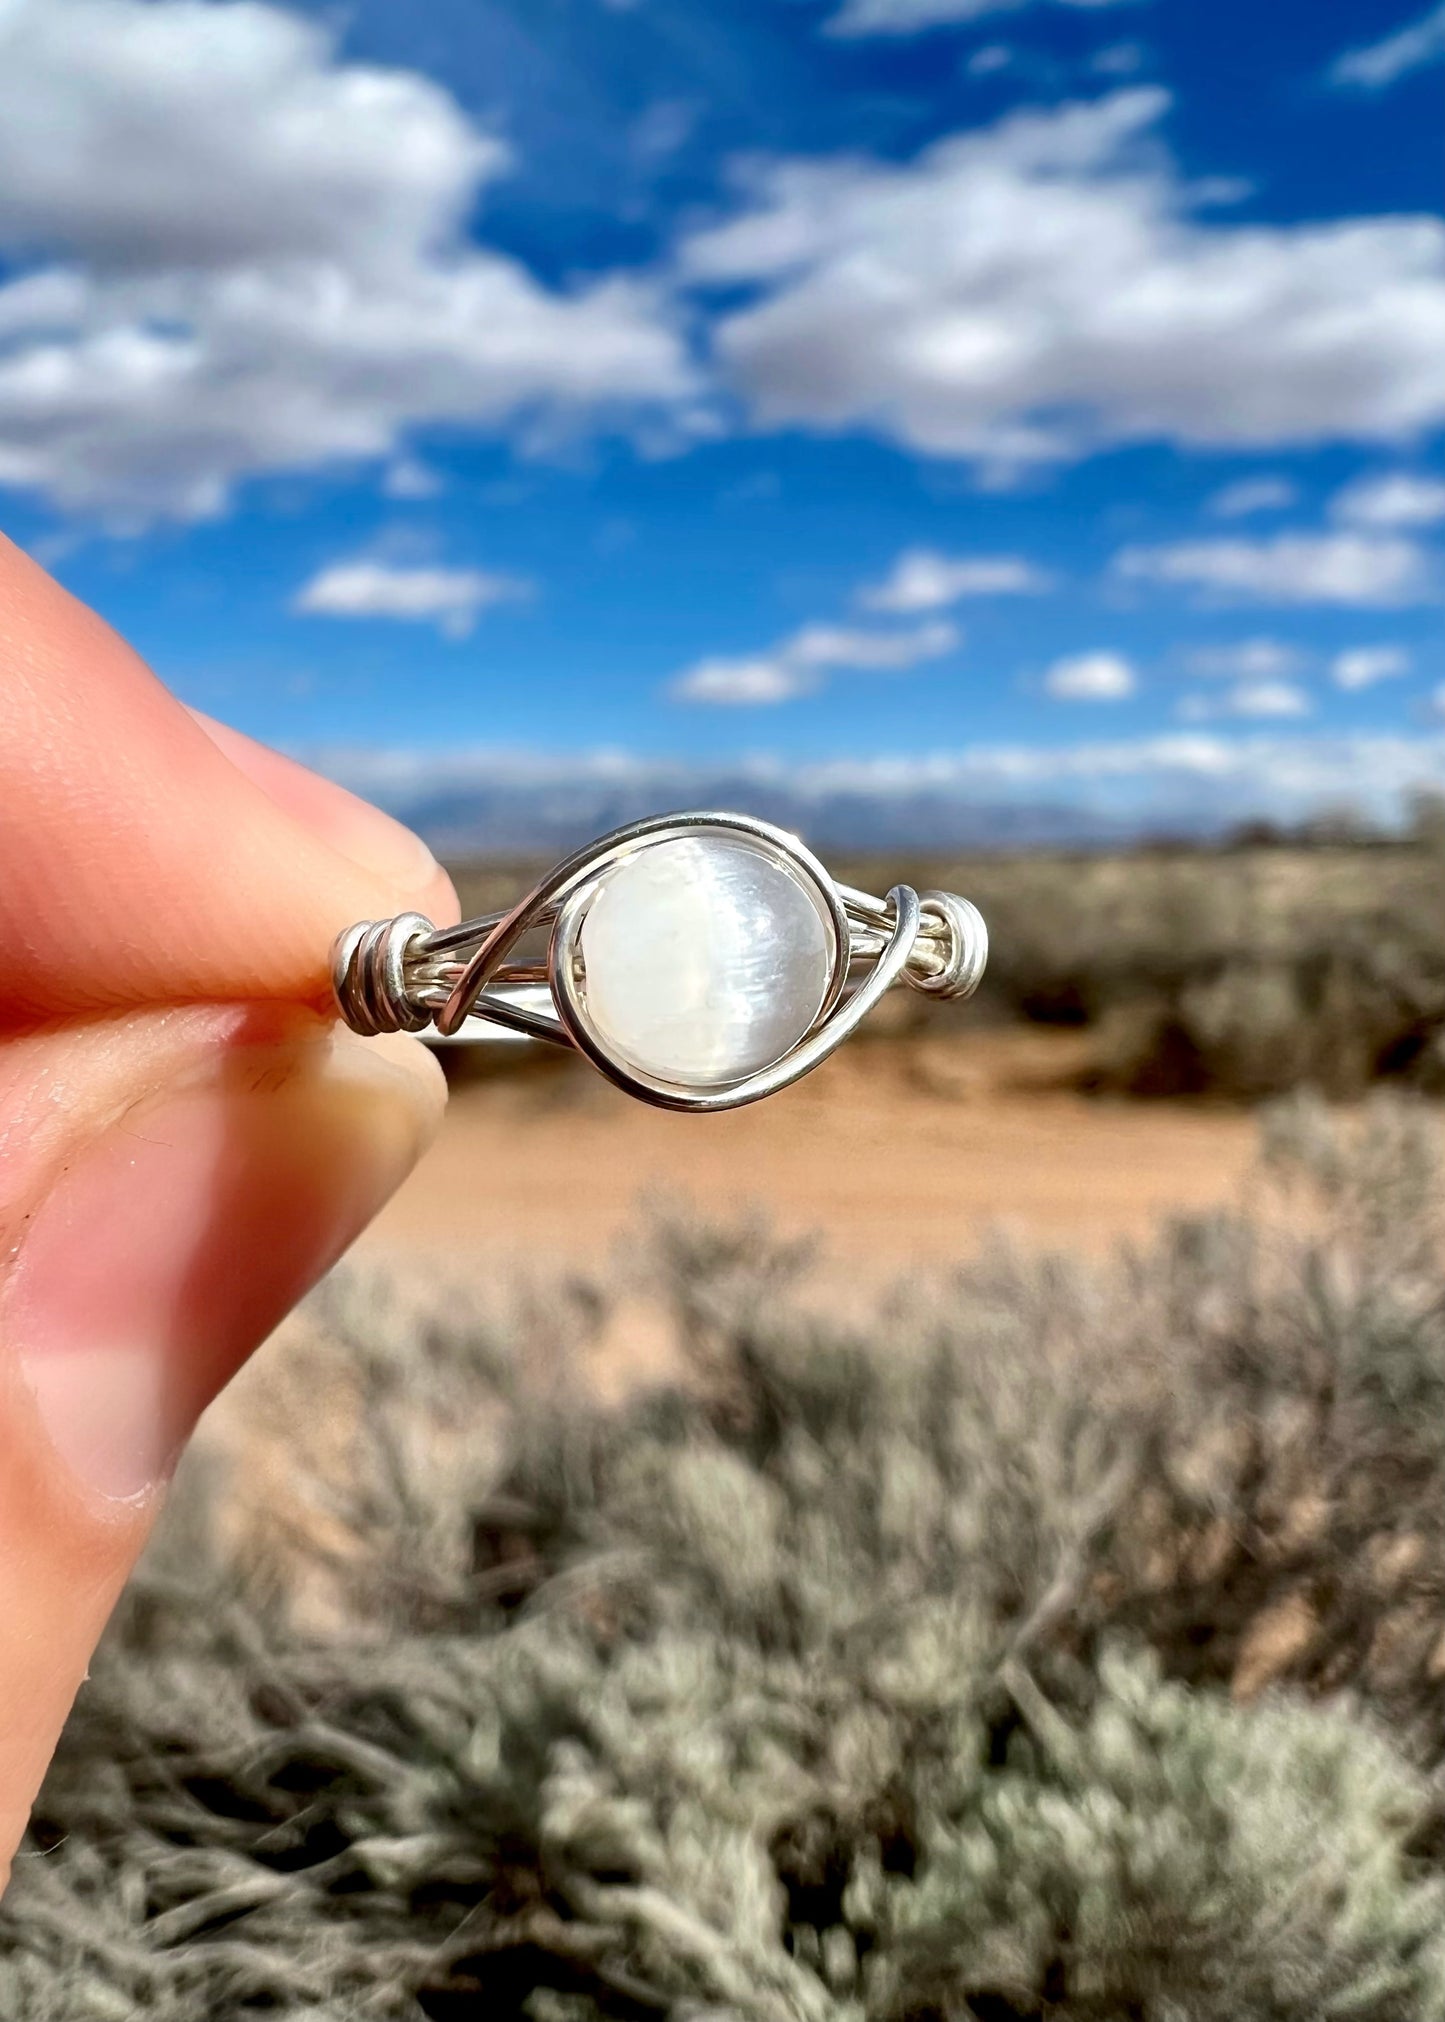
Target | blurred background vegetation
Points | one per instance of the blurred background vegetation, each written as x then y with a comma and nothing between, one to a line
1053,1640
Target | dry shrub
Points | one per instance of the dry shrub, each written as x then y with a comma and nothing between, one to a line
1236,972
875,1673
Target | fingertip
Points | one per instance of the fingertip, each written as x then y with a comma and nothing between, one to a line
370,838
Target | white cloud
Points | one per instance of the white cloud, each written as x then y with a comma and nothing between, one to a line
1247,660
1035,289
1253,495
203,136
910,17
990,60
913,17
258,262
1333,568
1268,698
1363,666
409,478
800,664
1118,59
875,652
1393,499
1091,677
924,580
451,599
1379,64
1248,698
744,682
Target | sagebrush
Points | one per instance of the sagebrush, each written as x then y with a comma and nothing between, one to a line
1049,1643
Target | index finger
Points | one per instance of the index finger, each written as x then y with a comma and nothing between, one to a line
143,863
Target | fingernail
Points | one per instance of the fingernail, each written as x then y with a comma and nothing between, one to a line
366,836
376,841
172,1244
373,839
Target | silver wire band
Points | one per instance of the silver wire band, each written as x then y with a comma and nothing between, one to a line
403,975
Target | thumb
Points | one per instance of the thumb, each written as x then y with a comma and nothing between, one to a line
172,1183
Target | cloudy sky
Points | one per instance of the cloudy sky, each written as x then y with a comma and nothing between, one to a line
1051,391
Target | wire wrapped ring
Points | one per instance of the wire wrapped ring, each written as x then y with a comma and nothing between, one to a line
700,961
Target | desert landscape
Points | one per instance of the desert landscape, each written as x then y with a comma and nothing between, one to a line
959,1539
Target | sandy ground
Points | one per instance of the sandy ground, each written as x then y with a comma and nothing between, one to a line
900,1156
896,1156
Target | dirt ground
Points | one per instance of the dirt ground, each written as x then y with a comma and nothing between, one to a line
900,1156
894,1154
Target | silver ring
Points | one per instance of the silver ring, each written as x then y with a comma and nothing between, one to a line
700,961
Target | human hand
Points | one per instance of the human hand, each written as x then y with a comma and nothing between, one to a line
187,1141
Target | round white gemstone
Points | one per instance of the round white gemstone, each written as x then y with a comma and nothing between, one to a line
704,960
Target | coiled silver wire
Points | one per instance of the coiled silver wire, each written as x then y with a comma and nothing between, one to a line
404,975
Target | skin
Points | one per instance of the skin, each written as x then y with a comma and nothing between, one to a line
187,1141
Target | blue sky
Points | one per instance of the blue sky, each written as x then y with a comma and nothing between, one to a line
1054,390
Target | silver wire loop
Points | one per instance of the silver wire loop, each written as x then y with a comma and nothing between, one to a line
404,975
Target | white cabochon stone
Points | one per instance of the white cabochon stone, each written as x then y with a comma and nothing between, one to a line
704,960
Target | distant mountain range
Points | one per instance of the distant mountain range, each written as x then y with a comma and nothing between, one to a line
502,821
1188,788
532,814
